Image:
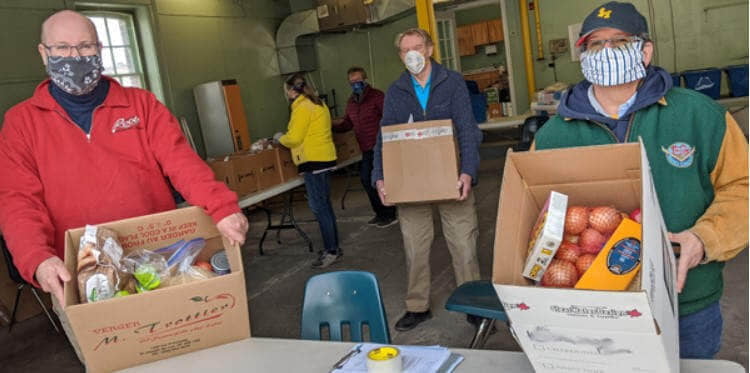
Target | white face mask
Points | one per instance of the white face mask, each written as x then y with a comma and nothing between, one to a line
414,62
614,66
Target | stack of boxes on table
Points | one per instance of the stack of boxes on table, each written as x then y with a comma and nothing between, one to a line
267,165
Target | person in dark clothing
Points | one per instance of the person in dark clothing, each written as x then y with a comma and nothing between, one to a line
364,110
429,91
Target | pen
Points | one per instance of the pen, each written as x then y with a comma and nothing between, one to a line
339,364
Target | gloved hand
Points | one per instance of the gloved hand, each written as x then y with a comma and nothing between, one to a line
277,136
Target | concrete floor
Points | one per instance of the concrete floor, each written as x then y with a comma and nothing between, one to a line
275,284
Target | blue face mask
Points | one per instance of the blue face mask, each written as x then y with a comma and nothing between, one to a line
358,87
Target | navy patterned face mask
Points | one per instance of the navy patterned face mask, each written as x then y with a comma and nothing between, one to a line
614,66
77,75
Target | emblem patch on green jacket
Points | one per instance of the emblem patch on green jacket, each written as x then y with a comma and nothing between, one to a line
679,154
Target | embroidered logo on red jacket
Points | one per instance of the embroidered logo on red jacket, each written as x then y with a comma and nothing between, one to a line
123,124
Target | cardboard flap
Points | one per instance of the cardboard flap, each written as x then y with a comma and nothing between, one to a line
512,232
658,268
182,224
582,164
572,308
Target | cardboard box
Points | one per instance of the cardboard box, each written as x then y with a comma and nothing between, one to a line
495,110
420,162
493,95
285,164
587,330
122,332
267,169
238,176
263,164
346,144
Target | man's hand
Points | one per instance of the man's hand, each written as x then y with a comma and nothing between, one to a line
691,254
464,186
233,228
380,186
51,274
337,122
277,136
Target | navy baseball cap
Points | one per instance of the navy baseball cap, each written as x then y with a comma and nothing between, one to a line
614,14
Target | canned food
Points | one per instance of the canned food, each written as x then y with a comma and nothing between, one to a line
220,263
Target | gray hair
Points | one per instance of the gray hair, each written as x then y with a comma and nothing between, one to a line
414,31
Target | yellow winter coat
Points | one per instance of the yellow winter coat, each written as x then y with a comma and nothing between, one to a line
309,133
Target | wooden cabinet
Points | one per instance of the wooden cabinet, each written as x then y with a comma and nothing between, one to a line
465,41
479,33
495,31
476,34
484,79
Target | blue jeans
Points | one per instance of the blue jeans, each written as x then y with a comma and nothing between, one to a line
319,197
700,333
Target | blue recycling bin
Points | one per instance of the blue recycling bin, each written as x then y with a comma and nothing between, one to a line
706,81
737,75
479,106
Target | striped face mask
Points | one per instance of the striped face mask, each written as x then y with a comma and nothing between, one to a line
614,66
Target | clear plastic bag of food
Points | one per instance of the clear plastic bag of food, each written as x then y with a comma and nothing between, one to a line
100,274
181,257
148,268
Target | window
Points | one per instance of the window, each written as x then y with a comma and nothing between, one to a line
120,51
447,42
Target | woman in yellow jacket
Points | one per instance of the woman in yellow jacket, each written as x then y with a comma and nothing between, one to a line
310,140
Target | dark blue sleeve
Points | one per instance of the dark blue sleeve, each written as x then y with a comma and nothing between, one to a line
389,117
468,134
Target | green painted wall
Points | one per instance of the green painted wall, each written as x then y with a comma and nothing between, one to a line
225,39
371,48
688,34
196,41
478,14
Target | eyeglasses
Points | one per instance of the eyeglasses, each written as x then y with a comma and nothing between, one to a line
83,49
596,45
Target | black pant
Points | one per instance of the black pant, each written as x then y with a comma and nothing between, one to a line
365,172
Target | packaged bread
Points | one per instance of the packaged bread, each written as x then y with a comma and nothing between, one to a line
100,275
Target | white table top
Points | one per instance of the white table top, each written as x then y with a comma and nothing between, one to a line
504,123
294,355
275,190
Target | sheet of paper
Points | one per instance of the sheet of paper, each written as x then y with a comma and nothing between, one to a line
415,359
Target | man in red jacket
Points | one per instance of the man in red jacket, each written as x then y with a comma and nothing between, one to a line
85,150
363,112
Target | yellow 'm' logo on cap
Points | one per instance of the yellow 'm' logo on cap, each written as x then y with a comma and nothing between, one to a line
604,13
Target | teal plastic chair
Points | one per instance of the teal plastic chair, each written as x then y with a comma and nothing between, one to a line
336,299
479,299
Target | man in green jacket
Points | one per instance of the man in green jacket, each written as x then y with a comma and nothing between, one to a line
697,154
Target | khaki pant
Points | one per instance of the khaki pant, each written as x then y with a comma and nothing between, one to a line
66,327
459,220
